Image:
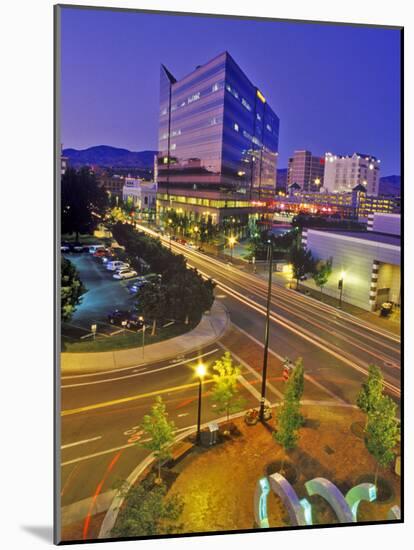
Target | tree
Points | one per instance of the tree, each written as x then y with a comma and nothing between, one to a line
289,418
152,304
382,431
83,201
159,431
225,393
372,390
323,270
71,289
147,511
297,379
302,262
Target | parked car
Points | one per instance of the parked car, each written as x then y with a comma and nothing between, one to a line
115,265
95,247
65,247
153,278
182,241
136,284
127,319
126,273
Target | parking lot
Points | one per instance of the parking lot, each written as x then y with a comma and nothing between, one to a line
104,294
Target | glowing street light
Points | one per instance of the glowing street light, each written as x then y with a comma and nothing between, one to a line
232,242
201,371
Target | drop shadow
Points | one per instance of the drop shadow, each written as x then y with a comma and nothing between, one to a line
43,532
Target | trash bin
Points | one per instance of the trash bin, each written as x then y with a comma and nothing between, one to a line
386,308
213,432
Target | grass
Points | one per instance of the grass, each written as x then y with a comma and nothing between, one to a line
126,340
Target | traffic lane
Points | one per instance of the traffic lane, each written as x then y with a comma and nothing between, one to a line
121,425
104,293
229,281
284,343
335,346
257,287
155,378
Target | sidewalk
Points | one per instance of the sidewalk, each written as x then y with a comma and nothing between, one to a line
211,327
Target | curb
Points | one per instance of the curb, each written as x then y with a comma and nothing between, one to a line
108,356
113,510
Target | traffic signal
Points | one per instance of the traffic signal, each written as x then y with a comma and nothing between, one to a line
286,373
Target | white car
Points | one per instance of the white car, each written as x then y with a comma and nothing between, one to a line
94,247
116,265
126,273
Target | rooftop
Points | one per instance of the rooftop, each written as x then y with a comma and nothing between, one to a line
372,236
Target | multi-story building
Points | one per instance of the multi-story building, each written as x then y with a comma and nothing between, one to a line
343,173
218,141
113,184
143,194
306,170
356,204
366,262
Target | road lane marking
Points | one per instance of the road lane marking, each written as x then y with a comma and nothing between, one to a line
251,369
249,387
307,376
80,442
104,404
129,368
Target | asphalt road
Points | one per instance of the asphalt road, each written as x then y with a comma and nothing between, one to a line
101,413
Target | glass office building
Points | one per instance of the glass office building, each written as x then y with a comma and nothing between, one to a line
217,134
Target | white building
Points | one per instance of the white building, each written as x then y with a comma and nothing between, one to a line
143,194
342,174
368,262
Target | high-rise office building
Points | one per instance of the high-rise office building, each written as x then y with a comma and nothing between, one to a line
306,170
218,136
343,173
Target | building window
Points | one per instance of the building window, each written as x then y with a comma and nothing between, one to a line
215,87
236,126
268,127
173,146
258,116
194,97
245,104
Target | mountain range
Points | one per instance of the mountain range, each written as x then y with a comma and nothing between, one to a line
110,157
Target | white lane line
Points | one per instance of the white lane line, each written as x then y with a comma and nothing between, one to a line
80,442
145,365
307,376
106,380
250,369
249,387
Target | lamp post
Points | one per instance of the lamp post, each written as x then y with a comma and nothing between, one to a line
267,328
143,335
340,287
201,372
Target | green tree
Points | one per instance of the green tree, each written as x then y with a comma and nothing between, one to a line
225,393
297,379
152,304
372,390
159,432
71,289
83,201
289,419
302,262
148,511
323,270
382,432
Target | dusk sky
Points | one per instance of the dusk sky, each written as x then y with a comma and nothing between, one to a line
334,88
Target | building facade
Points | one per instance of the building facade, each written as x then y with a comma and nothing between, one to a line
306,170
367,262
343,173
218,136
142,194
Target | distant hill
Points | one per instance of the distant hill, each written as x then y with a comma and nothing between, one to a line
107,156
390,185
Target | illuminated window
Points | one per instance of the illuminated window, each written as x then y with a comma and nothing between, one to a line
215,87
236,126
246,104
194,97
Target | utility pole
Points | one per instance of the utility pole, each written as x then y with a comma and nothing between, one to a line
266,340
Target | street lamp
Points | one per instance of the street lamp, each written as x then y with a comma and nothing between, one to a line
143,335
340,287
232,242
267,330
201,372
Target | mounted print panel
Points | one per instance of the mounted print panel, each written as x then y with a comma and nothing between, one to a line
228,284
